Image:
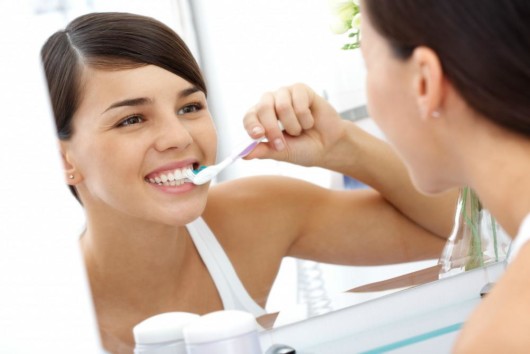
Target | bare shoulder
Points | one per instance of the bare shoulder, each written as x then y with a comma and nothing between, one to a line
262,194
256,220
261,204
501,321
262,187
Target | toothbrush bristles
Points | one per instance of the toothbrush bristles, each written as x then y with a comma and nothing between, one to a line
199,169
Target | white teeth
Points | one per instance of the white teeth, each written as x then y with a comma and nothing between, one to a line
179,174
175,178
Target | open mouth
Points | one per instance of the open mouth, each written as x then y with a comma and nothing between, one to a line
174,177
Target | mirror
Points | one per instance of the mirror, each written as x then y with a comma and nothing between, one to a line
240,65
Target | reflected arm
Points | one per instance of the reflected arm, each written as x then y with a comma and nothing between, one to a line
377,165
291,217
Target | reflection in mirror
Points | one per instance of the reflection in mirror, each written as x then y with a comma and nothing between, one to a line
155,243
132,118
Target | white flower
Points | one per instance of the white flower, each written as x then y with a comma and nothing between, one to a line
334,4
346,18
356,22
343,9
338,26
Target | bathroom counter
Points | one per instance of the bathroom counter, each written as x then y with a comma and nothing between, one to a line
424,318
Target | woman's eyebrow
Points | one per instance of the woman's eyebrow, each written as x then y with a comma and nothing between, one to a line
129,102
143,100
188,91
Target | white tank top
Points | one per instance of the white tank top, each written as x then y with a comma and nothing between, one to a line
522,237
232,292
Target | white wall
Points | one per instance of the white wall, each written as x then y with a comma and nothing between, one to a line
249,47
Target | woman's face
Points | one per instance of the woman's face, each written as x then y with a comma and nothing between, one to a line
392,103
134,128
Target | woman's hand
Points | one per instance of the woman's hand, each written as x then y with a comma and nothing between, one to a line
312,126
315,135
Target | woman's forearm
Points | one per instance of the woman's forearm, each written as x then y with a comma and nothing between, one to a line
372,161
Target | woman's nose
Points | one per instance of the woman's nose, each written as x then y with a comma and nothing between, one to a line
171,133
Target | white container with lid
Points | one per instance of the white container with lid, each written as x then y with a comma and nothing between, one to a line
162,333
223,332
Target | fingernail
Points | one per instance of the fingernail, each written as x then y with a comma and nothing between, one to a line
257,130
278,144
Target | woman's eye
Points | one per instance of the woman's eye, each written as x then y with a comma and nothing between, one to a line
131,121
191,108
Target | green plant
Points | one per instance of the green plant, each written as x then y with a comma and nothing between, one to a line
347,20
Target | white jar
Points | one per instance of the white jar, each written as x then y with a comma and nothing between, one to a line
162,334
223,332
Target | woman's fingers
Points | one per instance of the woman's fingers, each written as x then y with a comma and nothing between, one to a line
253,118
286,113
267,116
287,108
302,106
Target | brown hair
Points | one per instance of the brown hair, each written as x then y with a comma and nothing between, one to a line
483,45
113,41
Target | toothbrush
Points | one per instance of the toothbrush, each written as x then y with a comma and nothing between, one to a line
205,174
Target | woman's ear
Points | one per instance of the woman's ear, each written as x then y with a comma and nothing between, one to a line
428,82
72,175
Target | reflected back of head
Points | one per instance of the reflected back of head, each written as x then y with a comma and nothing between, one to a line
484,48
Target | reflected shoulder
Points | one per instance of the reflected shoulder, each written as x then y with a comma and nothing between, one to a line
262,204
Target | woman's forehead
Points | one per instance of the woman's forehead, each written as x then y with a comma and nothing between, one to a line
100,88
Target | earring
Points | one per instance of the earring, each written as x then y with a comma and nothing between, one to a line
435,114
71,176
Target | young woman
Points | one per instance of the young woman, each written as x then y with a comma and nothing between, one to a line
449,84
131,114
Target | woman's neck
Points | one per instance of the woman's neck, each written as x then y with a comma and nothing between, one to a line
123,256
498,168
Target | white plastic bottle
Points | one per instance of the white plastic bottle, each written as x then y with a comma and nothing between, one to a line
162,334
223,332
